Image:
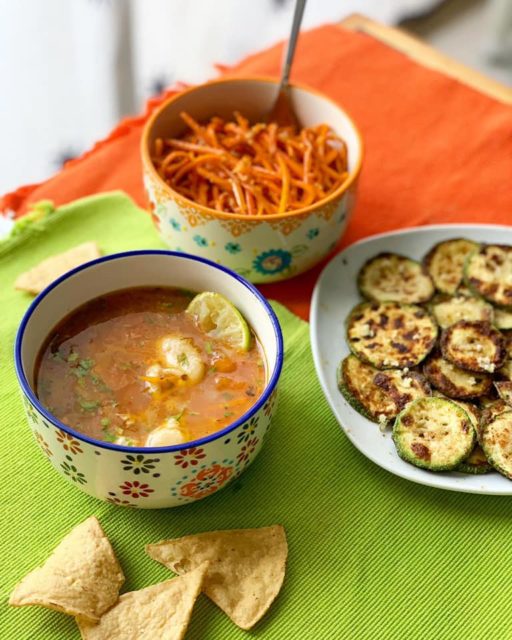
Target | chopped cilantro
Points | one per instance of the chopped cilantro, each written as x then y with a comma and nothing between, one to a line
105,422
73,356
57,355
208,347
89,405
228,414
109,437
100,384
78,372
82,367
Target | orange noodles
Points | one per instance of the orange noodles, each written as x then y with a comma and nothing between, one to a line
259,169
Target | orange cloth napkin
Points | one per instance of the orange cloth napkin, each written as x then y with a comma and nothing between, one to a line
436,150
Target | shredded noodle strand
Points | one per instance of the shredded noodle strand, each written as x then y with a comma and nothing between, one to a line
259,169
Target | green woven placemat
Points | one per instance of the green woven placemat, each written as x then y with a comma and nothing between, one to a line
371,555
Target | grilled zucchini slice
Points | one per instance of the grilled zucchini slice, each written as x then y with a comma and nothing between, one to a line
496,440
459,307
392,277
390,335
455,382
471,409
502,319
489,412
505,371
476,463
445,263
475,346
504,389
434,434
488,272
379,395
464,291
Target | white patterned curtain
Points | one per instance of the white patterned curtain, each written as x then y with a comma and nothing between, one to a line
70,69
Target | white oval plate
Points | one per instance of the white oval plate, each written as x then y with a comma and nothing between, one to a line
334,296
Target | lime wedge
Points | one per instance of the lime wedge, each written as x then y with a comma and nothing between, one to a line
219,319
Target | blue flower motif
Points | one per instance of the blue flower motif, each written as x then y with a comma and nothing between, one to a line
200,241
273,261
175,224
312,233
233,247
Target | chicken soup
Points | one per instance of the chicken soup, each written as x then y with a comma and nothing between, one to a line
151,366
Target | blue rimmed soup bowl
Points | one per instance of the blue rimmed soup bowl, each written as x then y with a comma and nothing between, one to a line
147,477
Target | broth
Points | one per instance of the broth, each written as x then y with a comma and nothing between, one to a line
104,371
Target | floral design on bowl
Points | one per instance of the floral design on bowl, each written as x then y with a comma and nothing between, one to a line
272,261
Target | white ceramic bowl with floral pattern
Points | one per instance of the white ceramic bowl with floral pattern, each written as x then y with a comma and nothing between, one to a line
262,250
155,477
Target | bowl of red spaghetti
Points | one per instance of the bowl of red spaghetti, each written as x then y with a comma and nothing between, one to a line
265,199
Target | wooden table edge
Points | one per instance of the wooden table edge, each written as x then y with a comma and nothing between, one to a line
428,57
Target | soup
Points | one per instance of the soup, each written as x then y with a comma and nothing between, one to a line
134,367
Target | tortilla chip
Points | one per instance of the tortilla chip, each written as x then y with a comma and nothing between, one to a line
160,612
246,567
43,274
82,577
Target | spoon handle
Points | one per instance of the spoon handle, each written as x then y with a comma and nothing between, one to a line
292,42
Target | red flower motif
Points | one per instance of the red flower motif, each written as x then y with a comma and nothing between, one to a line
207,481
247,450
136,489
189,457
68,442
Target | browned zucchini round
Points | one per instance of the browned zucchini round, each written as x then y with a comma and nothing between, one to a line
455,382
502,319
390,335
379,395
488,273
450,310
476,463
474,346
504,389
392,277
496,441
445,263
434,434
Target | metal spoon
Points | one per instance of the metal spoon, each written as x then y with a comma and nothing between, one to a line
282,111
